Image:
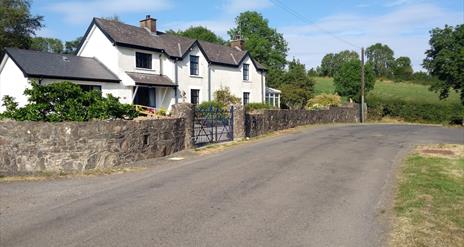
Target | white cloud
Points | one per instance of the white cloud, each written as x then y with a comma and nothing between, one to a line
236,6
404,29
81,11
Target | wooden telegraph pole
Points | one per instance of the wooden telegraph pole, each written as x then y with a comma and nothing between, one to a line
362,86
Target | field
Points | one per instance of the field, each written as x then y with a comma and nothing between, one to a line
429,201
394,90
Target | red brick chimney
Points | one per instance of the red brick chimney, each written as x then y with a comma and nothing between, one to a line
149,23
238,43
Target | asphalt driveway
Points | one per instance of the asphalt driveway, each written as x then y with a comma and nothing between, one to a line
328,186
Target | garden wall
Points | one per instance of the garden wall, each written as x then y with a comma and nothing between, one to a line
265,121
76,146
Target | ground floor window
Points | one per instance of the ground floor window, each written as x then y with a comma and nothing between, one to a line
145,96
246,98
88,88
195,96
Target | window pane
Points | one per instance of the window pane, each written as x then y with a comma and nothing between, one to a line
145,96
194,65
143,60
195,96
246,98
246,72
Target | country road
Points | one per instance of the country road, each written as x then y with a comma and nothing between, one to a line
325,186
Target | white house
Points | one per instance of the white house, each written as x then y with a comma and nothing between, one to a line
140,65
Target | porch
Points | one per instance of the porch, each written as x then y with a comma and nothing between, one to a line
153,91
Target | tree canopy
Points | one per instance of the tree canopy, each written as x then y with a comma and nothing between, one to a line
298,87
200,33
331,63
265,44
380,56
445,60
47,45
17,24
403,69
348,80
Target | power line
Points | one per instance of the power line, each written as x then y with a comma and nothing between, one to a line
306,20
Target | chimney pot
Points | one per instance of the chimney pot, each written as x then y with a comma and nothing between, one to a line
238,43
149,23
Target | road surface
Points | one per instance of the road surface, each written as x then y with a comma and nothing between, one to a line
328,186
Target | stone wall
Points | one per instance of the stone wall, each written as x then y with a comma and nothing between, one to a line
72,146
265,121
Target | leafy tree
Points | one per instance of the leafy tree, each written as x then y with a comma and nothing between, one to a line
47,45
445,59
264,43
298,87
65,101
200,33
403,69
72,46
331,63
17,24
327,64
347,80
275,77
112,18
381,58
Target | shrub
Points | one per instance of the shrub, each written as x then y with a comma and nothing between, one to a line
161,112
65,101
347,80
324,101
211,104
225,97
414,111
257,106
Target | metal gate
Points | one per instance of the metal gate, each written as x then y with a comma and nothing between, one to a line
213,125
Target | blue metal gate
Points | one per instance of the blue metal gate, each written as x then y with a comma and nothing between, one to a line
213,125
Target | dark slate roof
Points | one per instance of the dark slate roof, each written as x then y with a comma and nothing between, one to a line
173,45
151,79
59,66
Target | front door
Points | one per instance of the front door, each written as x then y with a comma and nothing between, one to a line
145,96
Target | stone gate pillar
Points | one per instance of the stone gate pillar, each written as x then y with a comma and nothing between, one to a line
239,122
186,111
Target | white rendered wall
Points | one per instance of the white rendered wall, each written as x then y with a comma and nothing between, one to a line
187,81
12,82
222,76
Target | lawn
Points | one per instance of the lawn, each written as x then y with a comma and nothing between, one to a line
394,90
429,201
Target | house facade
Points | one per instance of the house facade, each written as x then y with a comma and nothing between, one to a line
142,66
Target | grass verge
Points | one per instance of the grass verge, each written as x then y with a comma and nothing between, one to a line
429,202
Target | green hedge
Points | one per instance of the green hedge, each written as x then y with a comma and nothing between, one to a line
257,106
415,111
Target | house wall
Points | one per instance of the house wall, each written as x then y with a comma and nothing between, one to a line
99,46
12,82
187,81
231,77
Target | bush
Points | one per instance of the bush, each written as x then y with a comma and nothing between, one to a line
324,101
257,106
225,97
347,80
415,112
162,112
65,101
210,104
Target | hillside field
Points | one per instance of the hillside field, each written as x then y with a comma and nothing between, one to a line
394,90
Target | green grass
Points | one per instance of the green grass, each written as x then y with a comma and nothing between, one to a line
394,90
429,203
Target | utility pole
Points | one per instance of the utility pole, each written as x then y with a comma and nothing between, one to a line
362,86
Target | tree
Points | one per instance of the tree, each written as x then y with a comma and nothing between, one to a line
381,58
331,63
264,43
347,80
47,45
200,33
298,87
72,46
17,24
445,60
327,64
403,69
225,97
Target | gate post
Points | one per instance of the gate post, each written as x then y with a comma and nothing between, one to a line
238,122
186,111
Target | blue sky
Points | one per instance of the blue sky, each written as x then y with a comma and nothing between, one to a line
322,26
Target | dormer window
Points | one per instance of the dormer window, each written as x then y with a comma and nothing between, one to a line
143,60
246,72
194,65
